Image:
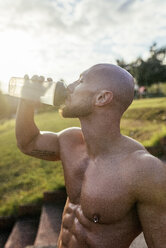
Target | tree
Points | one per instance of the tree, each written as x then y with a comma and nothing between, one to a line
152,70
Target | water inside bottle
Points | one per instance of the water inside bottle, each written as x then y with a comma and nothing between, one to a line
34,91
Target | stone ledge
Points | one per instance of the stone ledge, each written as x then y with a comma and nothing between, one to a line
6,222
29,210
57,196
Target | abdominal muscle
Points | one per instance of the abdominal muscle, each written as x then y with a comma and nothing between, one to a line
77,231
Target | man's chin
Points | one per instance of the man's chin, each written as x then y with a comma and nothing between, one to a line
75,112
64,112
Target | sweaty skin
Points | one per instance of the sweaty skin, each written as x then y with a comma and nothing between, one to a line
115,188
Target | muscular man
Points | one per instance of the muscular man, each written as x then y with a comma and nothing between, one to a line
115,188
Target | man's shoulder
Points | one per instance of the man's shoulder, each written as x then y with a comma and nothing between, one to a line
146,170
147,163
133,144
149,174
71,135
71,130
140,157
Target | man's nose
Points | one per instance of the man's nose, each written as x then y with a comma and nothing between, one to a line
72,86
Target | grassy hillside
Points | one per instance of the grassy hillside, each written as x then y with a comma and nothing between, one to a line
145,120
147,109
23,179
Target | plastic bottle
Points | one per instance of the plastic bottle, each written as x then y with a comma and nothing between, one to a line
47,92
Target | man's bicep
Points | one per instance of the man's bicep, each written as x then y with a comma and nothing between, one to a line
153,221
44,146
48,145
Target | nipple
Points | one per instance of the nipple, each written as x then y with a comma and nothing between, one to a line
95,219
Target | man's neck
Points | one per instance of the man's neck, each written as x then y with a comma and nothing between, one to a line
101,133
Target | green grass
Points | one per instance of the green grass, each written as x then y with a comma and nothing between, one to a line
147,132
149,103
145,120
150,109
23,179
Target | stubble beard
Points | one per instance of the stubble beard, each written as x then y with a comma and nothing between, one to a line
83,109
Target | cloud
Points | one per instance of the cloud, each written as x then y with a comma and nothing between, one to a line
126,5
60,38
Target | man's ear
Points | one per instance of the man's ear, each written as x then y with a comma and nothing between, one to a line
103,97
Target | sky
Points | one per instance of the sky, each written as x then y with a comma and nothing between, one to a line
62,38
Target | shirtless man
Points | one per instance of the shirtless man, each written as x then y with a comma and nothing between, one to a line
115,188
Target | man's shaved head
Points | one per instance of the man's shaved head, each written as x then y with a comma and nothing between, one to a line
103,85
115,79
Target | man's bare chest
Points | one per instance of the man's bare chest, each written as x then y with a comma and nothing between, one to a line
102,189
106,195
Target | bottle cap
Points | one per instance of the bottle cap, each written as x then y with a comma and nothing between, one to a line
60,93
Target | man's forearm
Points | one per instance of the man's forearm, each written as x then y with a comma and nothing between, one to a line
26,130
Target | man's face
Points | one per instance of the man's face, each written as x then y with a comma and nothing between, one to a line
79,102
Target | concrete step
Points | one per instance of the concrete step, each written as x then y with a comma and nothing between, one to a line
26,230
31,210
23,233
6,222
6,225
59,196
47,246
49,227
3,237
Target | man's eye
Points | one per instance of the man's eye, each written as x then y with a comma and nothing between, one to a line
81,80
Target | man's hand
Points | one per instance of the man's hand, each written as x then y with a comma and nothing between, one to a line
35,87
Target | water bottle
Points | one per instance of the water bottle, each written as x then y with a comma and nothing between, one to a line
47,92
